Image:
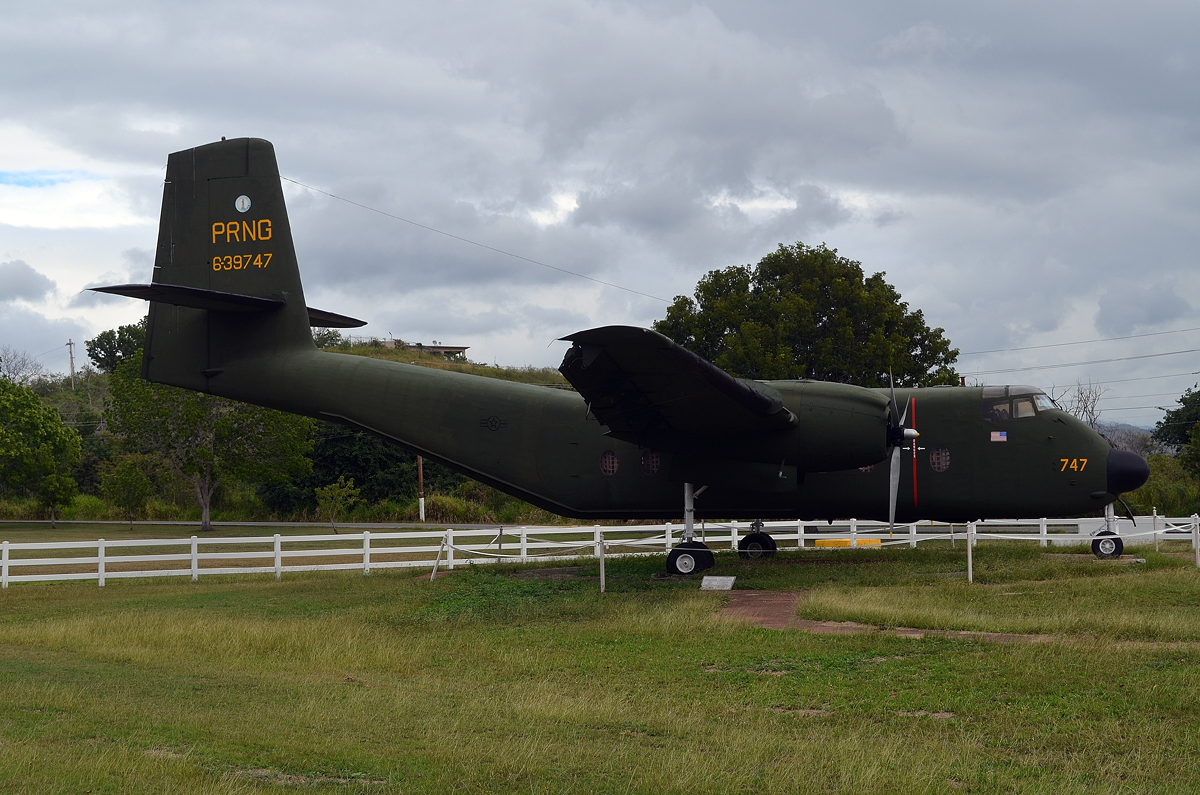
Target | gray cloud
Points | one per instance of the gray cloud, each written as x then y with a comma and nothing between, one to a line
1128,307
18,280
1004,166
42,337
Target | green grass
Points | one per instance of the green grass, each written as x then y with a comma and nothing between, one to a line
480,682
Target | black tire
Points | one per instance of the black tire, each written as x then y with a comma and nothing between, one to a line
1107,547
756,545
690,557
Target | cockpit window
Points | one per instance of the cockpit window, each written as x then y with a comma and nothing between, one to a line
1023,407
1027,401
996,410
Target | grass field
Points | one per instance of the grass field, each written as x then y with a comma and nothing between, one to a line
485,682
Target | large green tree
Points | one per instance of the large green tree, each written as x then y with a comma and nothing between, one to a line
805,312
205,439
1175,428
34,445
110,348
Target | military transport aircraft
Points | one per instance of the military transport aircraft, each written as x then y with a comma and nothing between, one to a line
650,424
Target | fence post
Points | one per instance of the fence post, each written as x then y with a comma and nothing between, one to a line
974,533
912,535
1196,537
799,534
195,559
733,535
450,548
667,536
524,545
1155,527
100,562
600,550
1043,538
4,564
596,542
970,558
854,532
278,557
366,551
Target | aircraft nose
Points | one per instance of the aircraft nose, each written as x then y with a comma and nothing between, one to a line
1126,471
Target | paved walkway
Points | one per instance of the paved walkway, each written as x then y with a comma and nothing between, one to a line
777,610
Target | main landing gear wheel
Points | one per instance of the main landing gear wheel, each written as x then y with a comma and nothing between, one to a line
756,545
1107,545
689,558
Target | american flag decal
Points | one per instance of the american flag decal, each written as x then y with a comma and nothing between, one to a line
999,436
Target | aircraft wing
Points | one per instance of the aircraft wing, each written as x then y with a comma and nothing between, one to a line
642,386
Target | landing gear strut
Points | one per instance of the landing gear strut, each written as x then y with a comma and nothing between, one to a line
691,555
1107,544
756,543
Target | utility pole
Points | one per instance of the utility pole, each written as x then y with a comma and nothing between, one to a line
71,352
421,487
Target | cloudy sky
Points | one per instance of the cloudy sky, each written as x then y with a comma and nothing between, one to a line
1025,173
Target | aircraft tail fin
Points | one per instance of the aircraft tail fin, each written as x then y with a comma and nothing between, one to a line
226,283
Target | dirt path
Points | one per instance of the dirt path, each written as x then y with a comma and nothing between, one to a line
777,610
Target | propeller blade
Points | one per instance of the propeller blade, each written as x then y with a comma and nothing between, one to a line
895,409
894,490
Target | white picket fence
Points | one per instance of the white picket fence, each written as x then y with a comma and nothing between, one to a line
102,560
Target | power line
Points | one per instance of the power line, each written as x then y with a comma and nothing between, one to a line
474,243
1146,378
1080,342
1081,364
1131,397
52,350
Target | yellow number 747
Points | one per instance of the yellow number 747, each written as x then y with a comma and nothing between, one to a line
1075,464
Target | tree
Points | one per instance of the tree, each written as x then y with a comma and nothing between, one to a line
205,439
336,498
127,487
1127,437
19,367
1171,489
55,490
110,348
805,312
1175,427
34,443
381,470
1082,402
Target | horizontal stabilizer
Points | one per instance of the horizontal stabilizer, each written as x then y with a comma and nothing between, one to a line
218,301
323,319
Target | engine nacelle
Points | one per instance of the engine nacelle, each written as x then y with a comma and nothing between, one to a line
839,426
